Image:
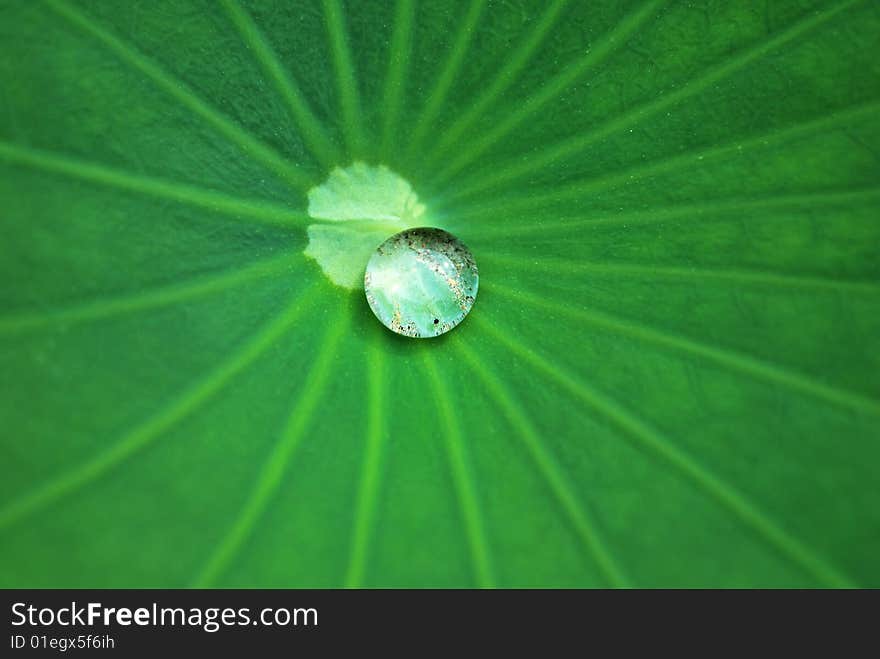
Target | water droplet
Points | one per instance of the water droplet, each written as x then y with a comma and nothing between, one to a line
421,282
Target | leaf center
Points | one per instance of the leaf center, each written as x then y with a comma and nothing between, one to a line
357,208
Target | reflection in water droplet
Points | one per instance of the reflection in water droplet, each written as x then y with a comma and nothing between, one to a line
421,282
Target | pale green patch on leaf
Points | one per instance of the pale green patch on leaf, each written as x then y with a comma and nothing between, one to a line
366,204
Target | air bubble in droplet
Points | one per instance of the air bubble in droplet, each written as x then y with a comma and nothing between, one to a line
421,282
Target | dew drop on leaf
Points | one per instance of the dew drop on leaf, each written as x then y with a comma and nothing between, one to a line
421,282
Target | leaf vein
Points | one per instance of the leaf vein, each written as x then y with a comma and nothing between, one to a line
271,475
254,209
312,132
185,403
112,306
446,78
594,56
371,468
661,447
549,469
187,97
573,145
750,276
727,357
346,81
516,60
462,480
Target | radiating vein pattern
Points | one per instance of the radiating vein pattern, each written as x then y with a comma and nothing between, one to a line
514,64
396,77
578,143
673,206
93,310
365,506
462,478
729,358
349,96
579,189
552,89
184,404
665,450
310,127
441,88
186,96
696,272
698,212
218,202
271,476
549,469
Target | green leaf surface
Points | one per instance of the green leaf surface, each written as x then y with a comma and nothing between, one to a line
671,376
